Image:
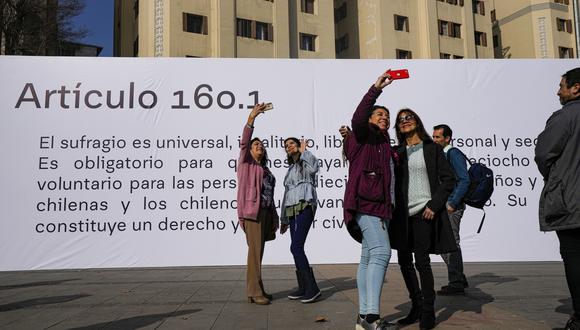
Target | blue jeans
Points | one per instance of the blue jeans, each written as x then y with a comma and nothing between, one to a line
374,259
299,227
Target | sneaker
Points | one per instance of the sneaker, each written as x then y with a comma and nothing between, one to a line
380,324
451,291
358,325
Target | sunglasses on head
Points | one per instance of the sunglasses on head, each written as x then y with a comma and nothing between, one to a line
405,118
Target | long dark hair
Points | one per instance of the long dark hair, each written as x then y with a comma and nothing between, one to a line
289,157
423,135
264,160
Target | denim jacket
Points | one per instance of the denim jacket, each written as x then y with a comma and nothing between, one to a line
300,184
459,165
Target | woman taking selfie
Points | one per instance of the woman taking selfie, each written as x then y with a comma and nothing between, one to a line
256,210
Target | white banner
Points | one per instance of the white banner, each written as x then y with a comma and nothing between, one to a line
115,162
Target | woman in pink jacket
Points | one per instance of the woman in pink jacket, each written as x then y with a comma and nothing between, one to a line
256,210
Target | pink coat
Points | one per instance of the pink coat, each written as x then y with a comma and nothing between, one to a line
250,175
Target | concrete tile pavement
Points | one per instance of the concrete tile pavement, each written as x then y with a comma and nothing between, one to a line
500,296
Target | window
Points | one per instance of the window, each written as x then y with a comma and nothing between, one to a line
480,38
404,54
453,2
340,13
449,29
565,52
401,23
307,42
444,56
194,23
342,43
564,2
478,7
244,28
564,25
457,57
307,6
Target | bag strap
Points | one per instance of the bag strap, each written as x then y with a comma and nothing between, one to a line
462,154
481,223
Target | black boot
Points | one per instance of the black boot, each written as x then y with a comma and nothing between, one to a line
412,284
312,292
298,293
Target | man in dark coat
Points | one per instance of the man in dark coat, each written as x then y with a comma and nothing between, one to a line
558,160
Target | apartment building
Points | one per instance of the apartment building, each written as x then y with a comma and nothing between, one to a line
404,29
216,28
409,29
535,29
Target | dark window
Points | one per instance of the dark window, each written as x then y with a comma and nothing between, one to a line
565,52
444,56
457,57
307,6
443,28
262,31
307,42
480,38
564,25
340,13
404,54
449,29
342,43
564,2
194,23
455,31
478,7
244,28
401,23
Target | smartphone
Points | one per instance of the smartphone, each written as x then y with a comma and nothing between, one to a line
269,106
398,74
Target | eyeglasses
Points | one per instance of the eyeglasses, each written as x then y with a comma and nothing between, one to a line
405,118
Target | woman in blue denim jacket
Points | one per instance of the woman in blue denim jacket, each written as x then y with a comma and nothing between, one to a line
298,209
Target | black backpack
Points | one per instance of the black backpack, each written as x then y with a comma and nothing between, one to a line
481,186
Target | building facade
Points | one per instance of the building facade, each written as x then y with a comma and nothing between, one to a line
350,29
215,28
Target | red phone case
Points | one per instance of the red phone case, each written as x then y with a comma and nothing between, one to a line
398,74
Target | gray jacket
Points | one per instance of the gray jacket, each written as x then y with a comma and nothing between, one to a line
558,159
300,184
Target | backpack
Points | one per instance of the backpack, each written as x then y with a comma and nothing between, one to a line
481,186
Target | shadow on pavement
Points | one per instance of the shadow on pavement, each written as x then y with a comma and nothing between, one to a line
40,301
33,284
136,321
473,300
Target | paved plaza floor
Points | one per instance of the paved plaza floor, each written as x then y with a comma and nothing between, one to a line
530,295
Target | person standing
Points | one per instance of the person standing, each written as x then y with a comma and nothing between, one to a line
298,209
442,135
420,225
558,160
367,200
257,214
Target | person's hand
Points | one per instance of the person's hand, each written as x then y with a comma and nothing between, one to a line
344,130
283,228
428,214
257,110
450,209
383,81
302,145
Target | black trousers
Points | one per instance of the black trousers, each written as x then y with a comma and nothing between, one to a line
420,236
570,252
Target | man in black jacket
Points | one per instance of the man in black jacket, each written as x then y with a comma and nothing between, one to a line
558,160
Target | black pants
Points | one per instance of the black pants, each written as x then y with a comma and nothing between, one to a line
420,236
570,252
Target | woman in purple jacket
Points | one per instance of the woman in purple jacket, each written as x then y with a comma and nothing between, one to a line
256,210
367,200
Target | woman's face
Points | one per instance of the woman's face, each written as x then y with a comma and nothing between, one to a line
257,150
406,122
291,147
380,117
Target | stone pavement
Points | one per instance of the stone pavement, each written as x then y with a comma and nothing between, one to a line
530,295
